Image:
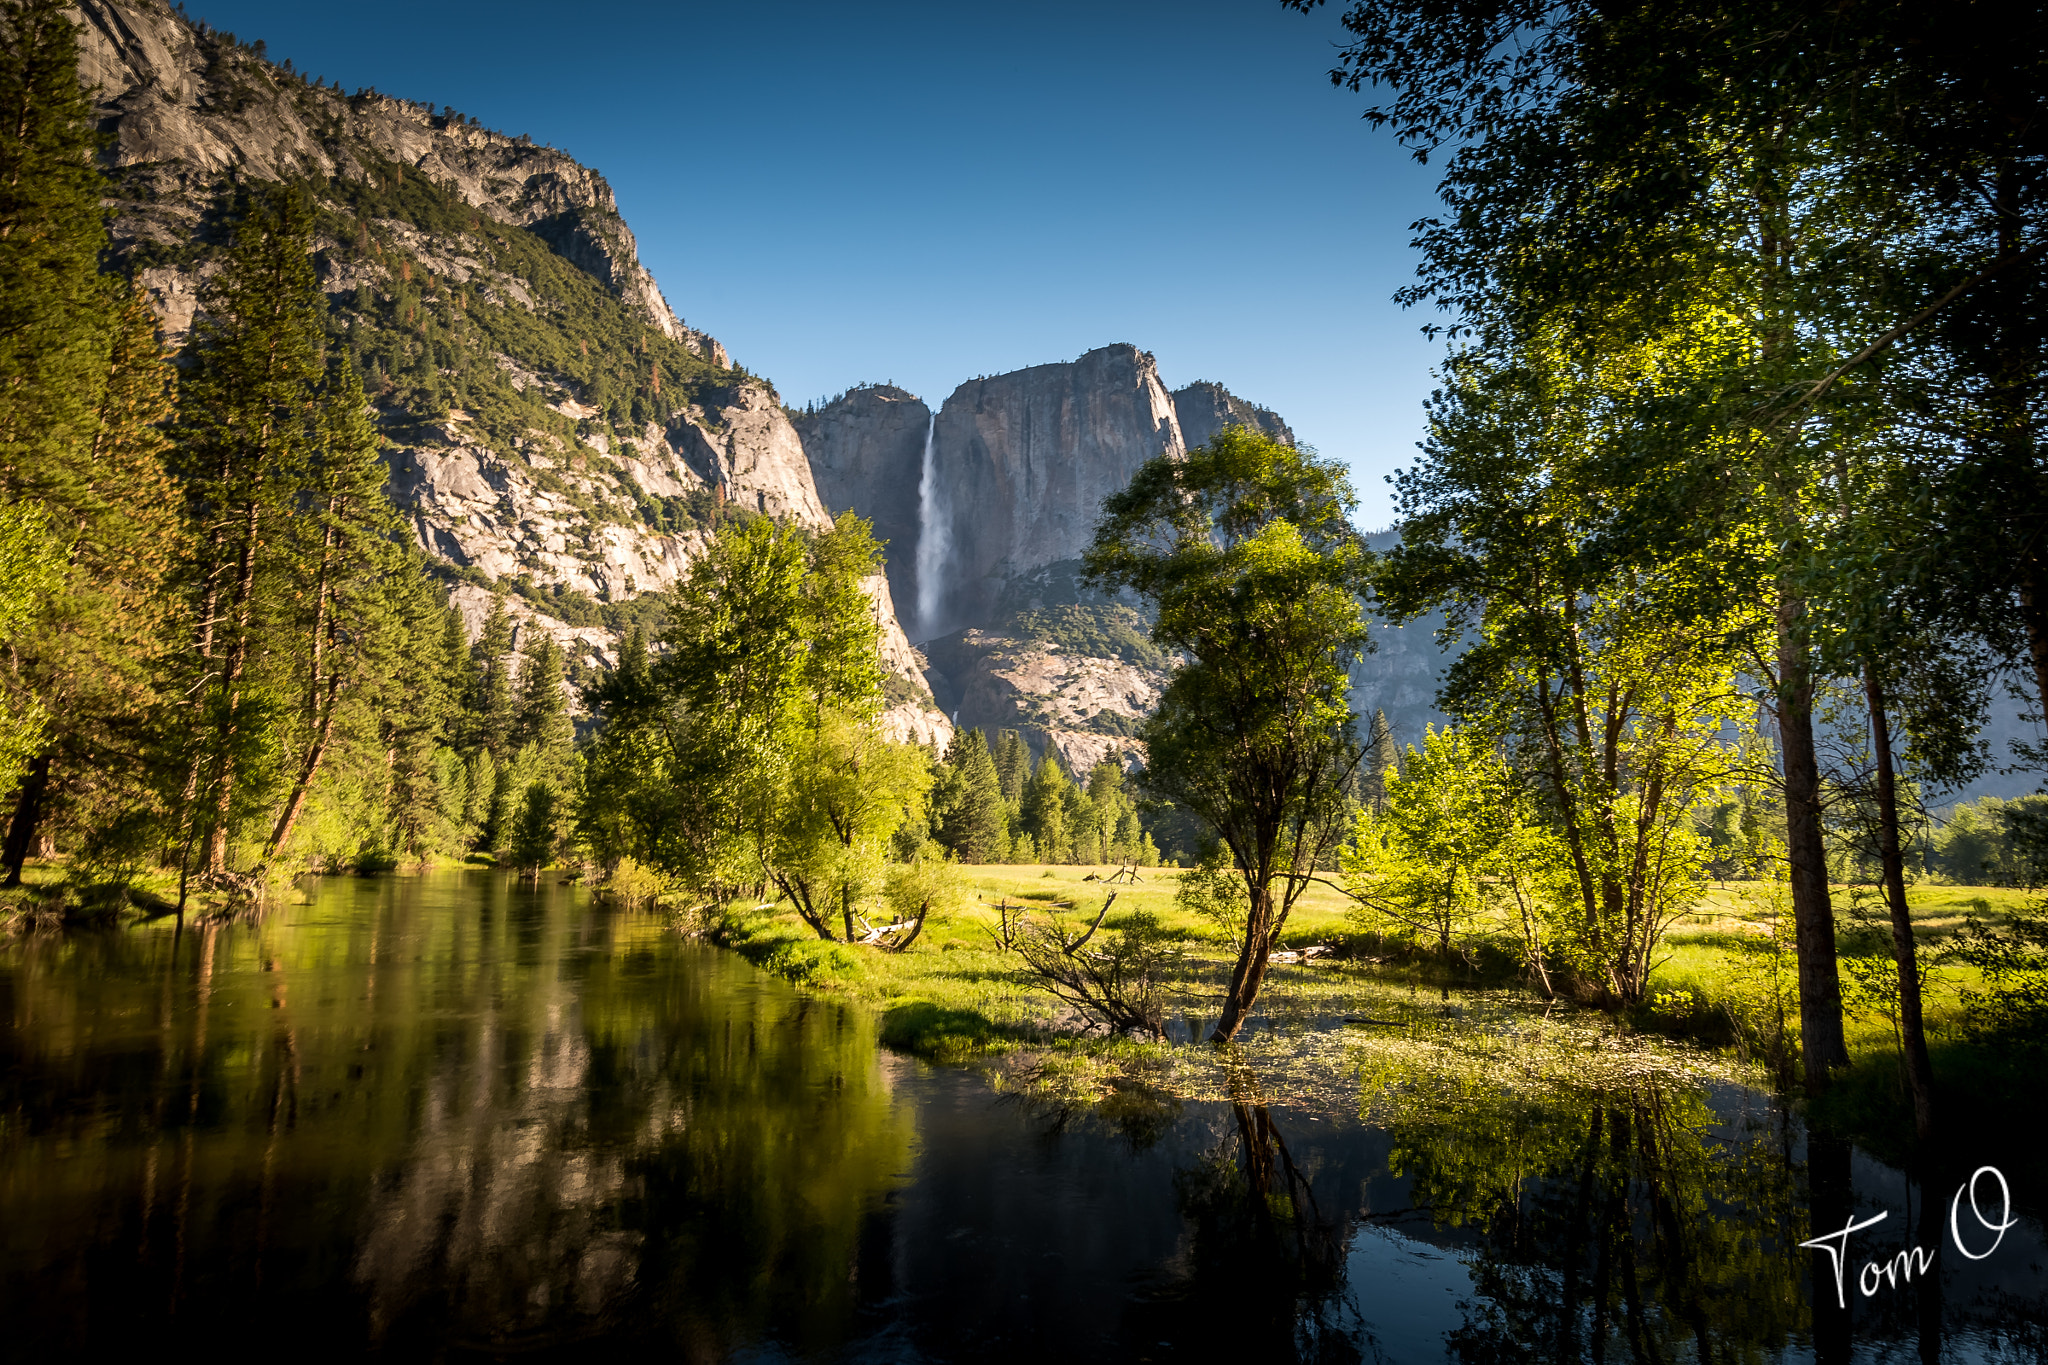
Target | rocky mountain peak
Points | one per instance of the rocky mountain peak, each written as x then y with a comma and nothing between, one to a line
190,109
866,451
552,429
1205,408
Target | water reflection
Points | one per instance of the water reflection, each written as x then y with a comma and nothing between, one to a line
436,1110
453,1115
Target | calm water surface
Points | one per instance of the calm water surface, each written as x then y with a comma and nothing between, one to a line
454,1117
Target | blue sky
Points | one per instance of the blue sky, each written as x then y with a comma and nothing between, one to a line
924,193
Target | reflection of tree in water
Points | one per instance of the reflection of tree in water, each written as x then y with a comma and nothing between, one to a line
1262,1272
1622,1223
434,1113
636,1155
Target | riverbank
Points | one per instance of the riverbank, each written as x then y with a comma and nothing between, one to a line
1723,1003
958,997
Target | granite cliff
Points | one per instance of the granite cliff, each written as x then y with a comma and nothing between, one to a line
1204,409
866,452
1021,463
987,506
551,426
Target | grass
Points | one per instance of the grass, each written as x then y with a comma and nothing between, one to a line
954,997
1707,956
1716,965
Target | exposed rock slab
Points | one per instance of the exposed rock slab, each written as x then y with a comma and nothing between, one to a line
1085,706
1204,409
1023,462
866,451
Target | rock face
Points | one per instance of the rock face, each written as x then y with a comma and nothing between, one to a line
187,111
531,512
1067,667
1022,462
866,450
1205,409
465,259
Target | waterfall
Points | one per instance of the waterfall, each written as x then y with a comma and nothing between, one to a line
934,540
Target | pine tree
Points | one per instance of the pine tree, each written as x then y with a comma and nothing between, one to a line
1043,811
87,659
1085,843
491,714
1106,788
249,429
1013,765
419,701
534,832
542,709
82,386
974,827
342,565
52,231
479,791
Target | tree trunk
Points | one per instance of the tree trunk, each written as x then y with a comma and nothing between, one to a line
1919,1070
2034,614
310,769
28,813
231,695
1813,917
1250,972
320,710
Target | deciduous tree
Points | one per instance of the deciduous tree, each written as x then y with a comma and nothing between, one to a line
1247,550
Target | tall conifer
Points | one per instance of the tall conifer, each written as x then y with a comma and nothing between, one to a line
249,435
83,385
974,829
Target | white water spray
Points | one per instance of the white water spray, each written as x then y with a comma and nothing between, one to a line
934,540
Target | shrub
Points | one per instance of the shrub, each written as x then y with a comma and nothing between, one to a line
809,961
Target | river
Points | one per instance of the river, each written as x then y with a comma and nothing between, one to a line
452,1116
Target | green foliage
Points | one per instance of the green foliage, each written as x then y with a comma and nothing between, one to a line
534,834
541,710
1042,811
970,818
28,570
1722,254
1214,889
428,343
83,388
52,350
1246,550
813,962
1993,842
751,751
1456,853
2013,1010
1608,683
1012,757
